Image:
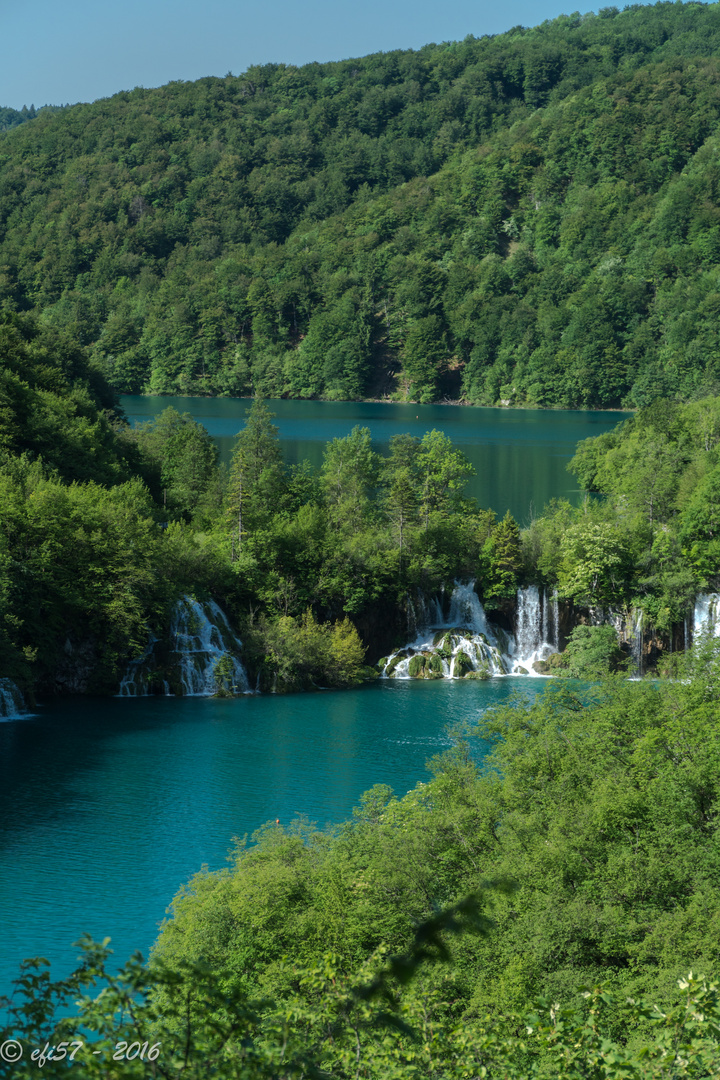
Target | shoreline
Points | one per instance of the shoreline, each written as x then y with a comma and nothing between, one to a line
387,401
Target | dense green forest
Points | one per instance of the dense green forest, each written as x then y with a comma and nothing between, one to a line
529,218
10,118
104,527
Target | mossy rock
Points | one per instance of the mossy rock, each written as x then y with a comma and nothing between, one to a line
520,670
416,667
482,673
438,637
435,664
390,669
381,663
556,661
433,675
462,665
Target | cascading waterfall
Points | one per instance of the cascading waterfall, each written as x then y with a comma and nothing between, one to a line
535,640
706,616
555,607
203,649
637,642
201,642
460,645
528,638
12,703
136,680
466,645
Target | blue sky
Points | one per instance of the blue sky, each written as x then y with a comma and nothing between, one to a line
79,50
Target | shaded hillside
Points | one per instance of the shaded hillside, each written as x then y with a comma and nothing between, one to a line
529,218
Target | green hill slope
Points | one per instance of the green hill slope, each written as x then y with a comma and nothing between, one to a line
529,218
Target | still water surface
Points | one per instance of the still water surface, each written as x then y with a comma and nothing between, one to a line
108,806
519,455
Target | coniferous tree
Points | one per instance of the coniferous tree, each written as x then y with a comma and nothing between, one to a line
256,473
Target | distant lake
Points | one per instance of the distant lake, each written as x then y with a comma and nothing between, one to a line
519,455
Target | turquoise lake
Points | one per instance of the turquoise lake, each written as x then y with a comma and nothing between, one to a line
520,456
108,806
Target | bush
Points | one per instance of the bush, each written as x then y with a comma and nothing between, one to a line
591,653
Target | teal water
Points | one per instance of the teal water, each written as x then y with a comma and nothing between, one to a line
108,806
519,455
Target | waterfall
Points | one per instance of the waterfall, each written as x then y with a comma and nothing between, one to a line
529,622
201,642
412,623
200,639
136,680
706,616
534,640
556,620
451,648
466,645
466,609
12,703
637,642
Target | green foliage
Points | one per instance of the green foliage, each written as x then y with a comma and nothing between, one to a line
596,563
592,652
256,479
349,473
503,558
300,654
223,675
655,535
527,218
600,810
416,667
159,1022
184,456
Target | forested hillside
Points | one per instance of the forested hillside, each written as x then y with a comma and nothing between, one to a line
530,218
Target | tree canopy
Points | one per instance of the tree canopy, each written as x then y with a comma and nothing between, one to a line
528,218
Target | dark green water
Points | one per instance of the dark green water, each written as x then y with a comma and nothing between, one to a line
519,455
107,807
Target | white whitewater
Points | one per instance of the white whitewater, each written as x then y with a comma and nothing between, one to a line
439,641
706,616
637,642
538,629
466,642
200,638
12,703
